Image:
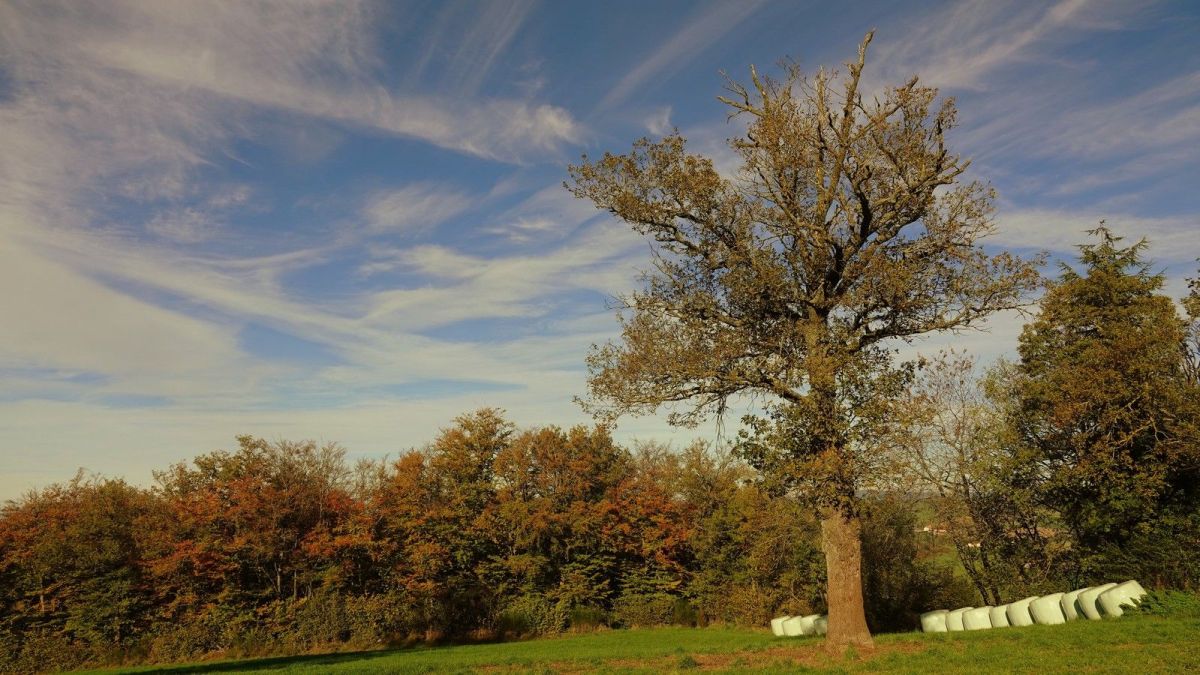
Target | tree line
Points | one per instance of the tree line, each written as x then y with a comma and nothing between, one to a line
1077,462
488,532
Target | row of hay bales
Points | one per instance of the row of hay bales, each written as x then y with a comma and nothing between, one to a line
1093,602
795,626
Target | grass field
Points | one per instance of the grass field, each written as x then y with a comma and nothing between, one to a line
1132,644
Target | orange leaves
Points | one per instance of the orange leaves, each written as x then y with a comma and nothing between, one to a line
439,540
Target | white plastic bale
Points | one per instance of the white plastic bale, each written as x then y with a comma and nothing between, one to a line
821,625
1018,612
791,626
979,618
954,619
1069,608
999,616
1047,610
1086,602
1127,594
806,624
934,622
777,624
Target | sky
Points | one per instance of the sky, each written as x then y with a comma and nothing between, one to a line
346,221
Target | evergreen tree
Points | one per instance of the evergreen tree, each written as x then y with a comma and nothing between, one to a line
1103,399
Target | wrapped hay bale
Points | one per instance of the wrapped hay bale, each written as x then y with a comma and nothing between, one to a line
1069,607
934,622
1047,610
1086,602
954,619
777,624
807,624
979,618
1124,594
999,616
791,626
1018,612
821,625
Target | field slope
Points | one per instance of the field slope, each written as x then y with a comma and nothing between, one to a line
1132,644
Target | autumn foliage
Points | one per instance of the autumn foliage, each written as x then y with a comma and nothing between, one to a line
488,532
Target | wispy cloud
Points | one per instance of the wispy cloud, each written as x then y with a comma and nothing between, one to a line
1160,117
308,59
188,226
545,217
466,56
659,123
699,33
1172,239
960,45
598,259
413,209
64,320
1025,76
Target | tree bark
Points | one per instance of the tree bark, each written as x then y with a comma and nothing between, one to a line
841,536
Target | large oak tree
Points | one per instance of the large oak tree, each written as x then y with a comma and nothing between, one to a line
847,228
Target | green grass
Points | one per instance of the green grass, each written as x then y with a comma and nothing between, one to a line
1130,644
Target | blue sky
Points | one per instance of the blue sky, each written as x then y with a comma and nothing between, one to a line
345,221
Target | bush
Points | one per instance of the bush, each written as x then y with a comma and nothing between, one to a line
949,590
200,635
684,614
530,615
1164,553
644,609
320,619
741,604
40,651
585,618
379,620
1171,603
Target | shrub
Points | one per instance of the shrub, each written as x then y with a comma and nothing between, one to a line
213,631
40,651
633,610
531,614
585,618
330,619
684,614
1163,553
1171,603
949,589
379,620
740,604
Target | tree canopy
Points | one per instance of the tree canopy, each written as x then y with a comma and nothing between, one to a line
848,226
1105,406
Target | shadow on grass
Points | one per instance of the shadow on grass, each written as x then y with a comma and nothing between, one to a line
277,662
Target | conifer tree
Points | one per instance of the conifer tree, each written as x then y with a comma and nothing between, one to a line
1103,396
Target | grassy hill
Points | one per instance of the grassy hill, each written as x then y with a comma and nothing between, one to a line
1130,644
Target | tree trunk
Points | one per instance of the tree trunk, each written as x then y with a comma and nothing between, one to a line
841,537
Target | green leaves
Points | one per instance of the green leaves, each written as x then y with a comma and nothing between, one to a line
1103,401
